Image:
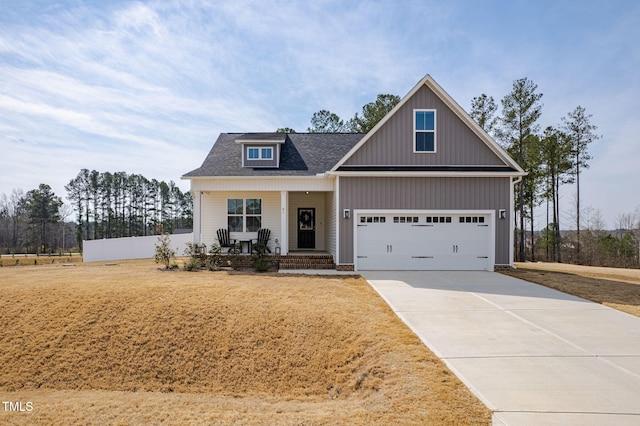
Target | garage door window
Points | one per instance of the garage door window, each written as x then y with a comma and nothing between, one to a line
438,219
373,219
471,219
405,219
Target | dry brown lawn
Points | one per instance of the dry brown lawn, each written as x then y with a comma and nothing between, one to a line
613,287
30,260
130,344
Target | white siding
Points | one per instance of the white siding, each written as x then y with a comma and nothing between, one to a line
330,219
214,214
282,183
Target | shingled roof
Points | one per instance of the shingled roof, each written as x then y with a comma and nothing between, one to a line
302,154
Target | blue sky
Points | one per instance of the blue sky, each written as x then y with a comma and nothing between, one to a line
145,87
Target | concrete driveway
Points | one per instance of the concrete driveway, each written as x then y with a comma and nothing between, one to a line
533,355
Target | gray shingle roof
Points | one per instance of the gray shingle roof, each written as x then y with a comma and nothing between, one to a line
302,154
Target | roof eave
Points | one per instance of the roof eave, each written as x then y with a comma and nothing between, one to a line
429,174
276,177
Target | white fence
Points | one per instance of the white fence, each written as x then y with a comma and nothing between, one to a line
130,248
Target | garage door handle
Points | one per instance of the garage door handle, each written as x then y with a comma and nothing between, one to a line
455,248
483,225
389,248
421,225
362,257
361,225
422,257
483,257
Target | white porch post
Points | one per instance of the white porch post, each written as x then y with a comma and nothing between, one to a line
284,222
197,215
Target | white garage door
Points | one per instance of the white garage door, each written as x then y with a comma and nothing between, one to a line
426,241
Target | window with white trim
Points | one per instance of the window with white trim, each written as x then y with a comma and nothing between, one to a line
424,130
244,215
260,153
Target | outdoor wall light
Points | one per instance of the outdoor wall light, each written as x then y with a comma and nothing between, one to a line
346,213
277,248
502,214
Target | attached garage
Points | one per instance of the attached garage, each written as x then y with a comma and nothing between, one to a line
424,240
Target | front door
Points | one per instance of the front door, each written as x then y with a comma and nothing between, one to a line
307,228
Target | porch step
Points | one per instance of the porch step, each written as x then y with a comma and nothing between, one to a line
307,262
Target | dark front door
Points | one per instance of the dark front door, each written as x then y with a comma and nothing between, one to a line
307,228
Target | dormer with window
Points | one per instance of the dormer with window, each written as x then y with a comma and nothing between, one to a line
261,150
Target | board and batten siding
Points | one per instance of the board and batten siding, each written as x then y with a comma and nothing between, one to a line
425,193
214,209
456,143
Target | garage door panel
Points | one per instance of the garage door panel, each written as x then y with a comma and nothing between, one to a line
401,241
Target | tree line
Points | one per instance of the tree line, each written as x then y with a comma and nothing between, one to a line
552,158
106,204
114,205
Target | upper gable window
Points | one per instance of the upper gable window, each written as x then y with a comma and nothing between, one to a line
260,153
424,130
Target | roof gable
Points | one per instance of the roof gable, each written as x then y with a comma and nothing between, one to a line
459,139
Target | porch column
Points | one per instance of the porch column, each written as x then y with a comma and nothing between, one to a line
197,212
284,222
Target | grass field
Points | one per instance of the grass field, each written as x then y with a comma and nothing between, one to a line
613,287
130,344
32,259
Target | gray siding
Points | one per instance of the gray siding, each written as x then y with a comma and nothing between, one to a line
456,144
273,163
438,193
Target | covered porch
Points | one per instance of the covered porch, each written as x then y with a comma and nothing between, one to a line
302,223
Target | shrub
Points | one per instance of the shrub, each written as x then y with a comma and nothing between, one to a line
259,258
164,253
197,259
235,260
214,260
192,264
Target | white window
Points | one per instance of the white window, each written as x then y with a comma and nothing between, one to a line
260,153
244,215
424,130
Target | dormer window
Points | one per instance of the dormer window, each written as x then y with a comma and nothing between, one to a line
424,130
260,153
261,150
